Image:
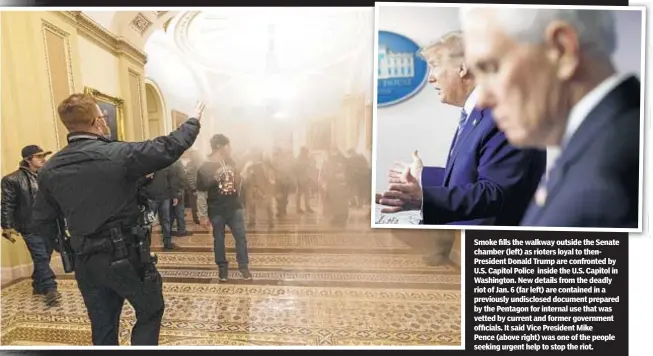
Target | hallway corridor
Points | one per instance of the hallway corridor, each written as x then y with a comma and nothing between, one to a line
312,286
276,82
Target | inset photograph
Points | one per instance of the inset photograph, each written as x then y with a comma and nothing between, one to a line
508,116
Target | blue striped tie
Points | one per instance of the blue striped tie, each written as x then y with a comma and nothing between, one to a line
461,126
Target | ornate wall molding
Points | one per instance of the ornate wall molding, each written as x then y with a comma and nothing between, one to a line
166,24
103,37
140,23
65,36
138,100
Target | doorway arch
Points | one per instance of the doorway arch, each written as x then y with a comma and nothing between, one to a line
157,117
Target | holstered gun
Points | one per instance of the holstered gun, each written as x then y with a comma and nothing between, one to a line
144,236
62,242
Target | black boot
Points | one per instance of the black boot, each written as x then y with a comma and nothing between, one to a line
223,272
244,270
52,297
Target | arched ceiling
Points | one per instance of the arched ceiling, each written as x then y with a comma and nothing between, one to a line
236,40
301,61
222,56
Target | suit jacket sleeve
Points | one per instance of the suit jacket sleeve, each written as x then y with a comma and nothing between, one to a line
432,176
501,169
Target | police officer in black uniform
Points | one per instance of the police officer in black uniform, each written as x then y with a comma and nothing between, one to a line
93,184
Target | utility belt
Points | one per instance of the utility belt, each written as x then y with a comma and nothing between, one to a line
118,242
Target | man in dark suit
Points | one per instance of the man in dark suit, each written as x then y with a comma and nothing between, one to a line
558,88
486,181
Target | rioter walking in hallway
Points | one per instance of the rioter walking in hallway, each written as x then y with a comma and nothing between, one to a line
178,206
162,192
258,184
357,178
282,163
219,205
93,183
303,173
19,190
337,193
191,165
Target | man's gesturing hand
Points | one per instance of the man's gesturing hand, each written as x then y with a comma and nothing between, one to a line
405,190
199,110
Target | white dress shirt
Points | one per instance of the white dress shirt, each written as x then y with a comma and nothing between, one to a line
471,101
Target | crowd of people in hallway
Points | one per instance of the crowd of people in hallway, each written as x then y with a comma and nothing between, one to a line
249,183
265,183
81,199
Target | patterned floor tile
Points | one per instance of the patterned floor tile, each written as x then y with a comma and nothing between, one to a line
306,261
248,315
316,241
322,277
313,285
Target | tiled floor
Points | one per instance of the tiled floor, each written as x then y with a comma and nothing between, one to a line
314,286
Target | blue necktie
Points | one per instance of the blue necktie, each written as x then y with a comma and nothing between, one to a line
461,126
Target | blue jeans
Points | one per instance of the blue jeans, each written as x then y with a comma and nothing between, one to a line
40,249
162,210
178,214
236,222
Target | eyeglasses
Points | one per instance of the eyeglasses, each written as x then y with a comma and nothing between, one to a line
103,117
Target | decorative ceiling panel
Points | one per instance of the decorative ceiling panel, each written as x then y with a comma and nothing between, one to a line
141,23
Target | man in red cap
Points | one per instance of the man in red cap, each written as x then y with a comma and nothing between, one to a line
18,192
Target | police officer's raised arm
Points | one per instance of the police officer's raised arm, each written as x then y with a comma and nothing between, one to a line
150,156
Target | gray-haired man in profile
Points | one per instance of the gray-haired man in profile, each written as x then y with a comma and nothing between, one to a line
548,76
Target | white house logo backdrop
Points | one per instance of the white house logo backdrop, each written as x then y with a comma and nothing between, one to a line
401,73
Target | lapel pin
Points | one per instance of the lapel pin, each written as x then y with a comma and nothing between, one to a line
540,197
475,122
